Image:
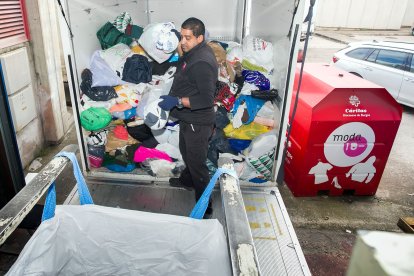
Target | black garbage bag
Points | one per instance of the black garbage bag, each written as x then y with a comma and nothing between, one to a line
218,144
99,93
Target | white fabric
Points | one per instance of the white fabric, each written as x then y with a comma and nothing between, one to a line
247,88
97,240
162,168
237,118
88,103
172,151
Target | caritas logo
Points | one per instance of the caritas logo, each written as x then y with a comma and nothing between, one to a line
349,144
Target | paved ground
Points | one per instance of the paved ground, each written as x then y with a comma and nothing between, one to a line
326,226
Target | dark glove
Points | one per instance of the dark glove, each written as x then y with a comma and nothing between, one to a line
168,102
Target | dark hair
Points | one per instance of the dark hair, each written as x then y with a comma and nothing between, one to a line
195,25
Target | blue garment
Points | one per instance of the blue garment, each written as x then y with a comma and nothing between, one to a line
256,78
253,106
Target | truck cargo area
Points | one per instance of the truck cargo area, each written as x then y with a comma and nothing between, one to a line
256,215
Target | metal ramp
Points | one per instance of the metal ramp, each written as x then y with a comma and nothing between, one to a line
277,247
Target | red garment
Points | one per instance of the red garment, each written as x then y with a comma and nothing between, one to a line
225,96
120,132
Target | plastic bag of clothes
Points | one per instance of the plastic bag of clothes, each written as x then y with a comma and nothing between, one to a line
97,240
136,243
99,93
261,152
103,75
257,52
159,41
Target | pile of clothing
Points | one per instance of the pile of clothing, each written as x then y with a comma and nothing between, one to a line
126,129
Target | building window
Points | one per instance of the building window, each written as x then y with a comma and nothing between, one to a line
13,23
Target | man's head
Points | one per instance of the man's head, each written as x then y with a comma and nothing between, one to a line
192,33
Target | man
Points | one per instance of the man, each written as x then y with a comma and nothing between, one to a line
191,100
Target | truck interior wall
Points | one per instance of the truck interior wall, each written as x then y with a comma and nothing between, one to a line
225,21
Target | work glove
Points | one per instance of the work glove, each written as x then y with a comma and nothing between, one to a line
168,102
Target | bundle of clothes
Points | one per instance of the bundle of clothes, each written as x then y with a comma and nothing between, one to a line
127,130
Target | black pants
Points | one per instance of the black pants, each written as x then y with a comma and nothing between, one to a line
194,140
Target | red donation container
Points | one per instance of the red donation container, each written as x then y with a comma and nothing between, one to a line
342,133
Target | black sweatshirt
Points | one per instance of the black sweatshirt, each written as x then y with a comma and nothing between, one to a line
196,78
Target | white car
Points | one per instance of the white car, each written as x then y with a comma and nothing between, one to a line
388,64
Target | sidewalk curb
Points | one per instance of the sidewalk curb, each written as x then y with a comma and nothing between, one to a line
331,38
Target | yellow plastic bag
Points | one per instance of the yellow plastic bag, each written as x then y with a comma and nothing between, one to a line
245,132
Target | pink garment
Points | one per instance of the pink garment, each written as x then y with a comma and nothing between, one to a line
95,161
264,121
143,153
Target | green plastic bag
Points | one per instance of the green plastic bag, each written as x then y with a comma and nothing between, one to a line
95,118
109,36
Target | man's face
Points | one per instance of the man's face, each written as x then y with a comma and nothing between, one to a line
188,40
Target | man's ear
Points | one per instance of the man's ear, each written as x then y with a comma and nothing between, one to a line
200,38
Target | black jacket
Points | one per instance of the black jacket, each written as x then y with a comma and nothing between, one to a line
196,78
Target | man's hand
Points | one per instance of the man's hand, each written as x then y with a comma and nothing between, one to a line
168,102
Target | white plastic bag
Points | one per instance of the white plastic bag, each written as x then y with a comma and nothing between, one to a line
97,240
262,144
116,57
258,52
158,41
102,74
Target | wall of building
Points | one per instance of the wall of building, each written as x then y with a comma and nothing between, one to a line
19,75
38,103
364,14
408,19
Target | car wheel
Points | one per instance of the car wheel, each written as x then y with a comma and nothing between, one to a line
356,74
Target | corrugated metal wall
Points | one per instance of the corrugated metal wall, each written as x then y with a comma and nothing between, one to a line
365,14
